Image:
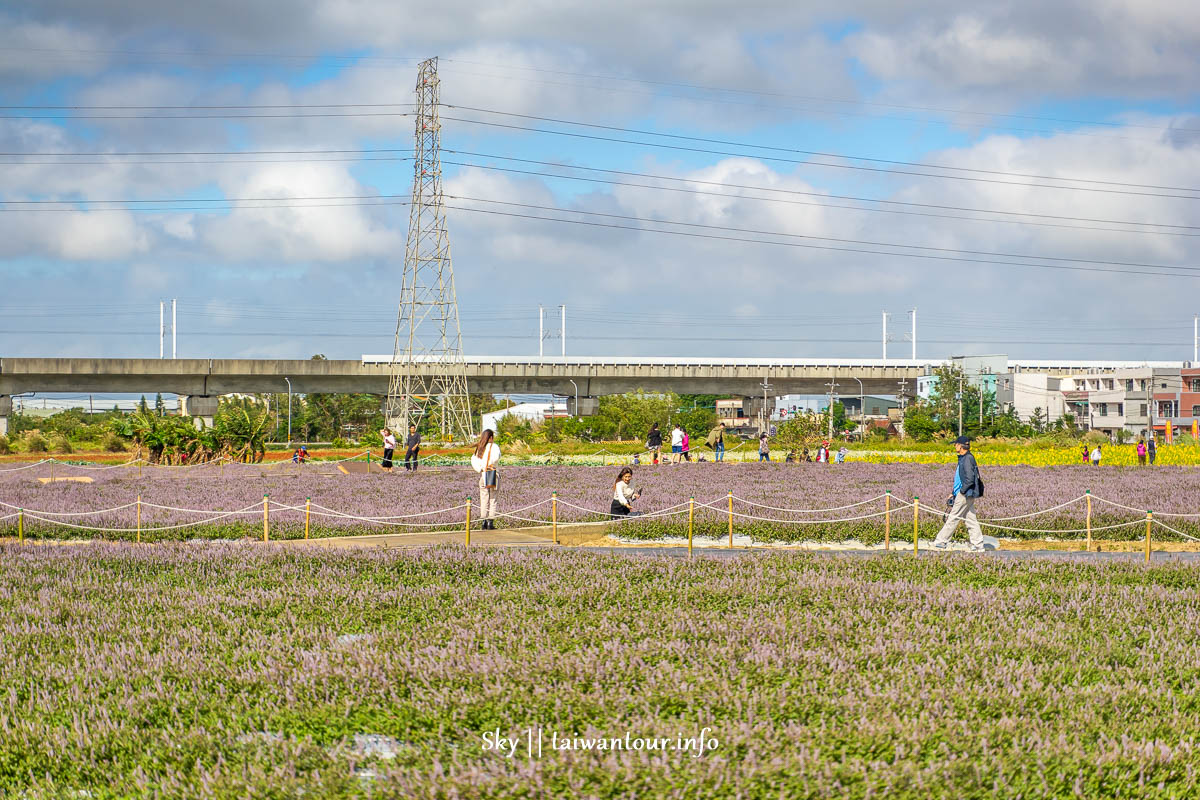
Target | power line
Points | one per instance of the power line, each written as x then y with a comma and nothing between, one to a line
90,153
205,161
762,93
817,194
825,238
802,162
365,62
208,116
926,165
161,209
816,247
358,59
341,334
206,108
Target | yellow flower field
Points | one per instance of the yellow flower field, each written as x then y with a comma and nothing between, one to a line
1186,454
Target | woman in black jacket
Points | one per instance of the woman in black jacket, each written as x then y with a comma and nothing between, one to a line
654,441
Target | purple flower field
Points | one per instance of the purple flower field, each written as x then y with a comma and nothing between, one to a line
234,670
1011,491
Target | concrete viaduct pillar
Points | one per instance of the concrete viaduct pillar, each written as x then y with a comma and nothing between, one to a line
5,410
199,408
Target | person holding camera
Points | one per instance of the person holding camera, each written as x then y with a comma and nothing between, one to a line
967,487
623,494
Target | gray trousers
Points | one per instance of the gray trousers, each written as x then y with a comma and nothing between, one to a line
963,510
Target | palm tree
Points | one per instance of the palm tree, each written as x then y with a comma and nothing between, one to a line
240,427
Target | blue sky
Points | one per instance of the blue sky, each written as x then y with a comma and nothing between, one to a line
1098,97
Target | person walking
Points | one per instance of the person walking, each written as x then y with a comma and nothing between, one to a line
654,441
716,440
1141,451
676,444
686,442
1086,456
412,449
623,494
841,455
389,447
1096,455
764,447
968,486
484,461
1151,448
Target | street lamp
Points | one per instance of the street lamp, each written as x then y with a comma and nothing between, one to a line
289,383
573,383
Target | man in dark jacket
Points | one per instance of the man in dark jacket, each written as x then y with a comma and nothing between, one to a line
412,449
967,487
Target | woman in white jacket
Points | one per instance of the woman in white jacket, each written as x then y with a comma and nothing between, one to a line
485,461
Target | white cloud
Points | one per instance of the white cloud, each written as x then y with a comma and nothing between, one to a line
329,233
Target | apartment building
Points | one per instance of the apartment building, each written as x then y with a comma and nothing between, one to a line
1122,399
1029,392
1177,401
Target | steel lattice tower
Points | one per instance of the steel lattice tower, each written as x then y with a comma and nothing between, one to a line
428,375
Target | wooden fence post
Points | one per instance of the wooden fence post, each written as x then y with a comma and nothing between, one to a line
916,509
266,520
554,514
1088,493
1149,521
731,520
139,519
307,511
887,520
21,525
691,519
468,528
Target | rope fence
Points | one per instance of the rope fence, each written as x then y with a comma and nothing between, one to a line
452,518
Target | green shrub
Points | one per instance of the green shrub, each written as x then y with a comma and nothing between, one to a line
35,442
339,443
112,443
59,443
5,447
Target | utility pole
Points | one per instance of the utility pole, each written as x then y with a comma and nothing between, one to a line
562,329
832,383
174,342
541,329
960,399
162,331
885,336
913,314
289,383
765,414
1195,339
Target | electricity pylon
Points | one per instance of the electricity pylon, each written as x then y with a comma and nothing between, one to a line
429,374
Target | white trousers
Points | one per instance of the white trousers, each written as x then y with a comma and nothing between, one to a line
963,510
487,499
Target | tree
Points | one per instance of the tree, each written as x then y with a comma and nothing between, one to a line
839,416
802,430
160,407
919,423
1039,420
240,429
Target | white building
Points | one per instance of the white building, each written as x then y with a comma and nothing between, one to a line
534,413
1030,391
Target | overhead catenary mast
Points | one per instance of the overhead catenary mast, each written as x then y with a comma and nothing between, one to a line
428,374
